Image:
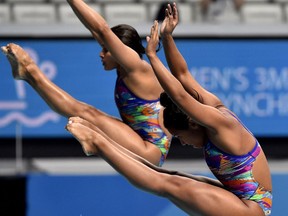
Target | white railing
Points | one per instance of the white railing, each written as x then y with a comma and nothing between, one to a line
38,18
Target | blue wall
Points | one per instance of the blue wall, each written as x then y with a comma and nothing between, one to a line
92,195
250,76
110,196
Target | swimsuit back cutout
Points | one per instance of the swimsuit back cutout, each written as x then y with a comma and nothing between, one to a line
235,172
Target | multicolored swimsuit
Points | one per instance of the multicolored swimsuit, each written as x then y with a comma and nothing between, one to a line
142,116
235,173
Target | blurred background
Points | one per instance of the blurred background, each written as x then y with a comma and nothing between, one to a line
234,48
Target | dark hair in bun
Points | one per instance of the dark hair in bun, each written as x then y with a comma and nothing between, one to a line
174,118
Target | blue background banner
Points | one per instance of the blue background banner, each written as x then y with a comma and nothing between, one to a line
250,76
88,195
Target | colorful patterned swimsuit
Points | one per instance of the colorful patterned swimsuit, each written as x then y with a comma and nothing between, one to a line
235,173
142,116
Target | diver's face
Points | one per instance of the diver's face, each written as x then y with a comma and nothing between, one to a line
107,59
193,136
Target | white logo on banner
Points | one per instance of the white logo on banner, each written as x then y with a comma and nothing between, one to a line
18,106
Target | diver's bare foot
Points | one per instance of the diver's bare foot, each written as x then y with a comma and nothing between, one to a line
83,134
86,123
19,60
